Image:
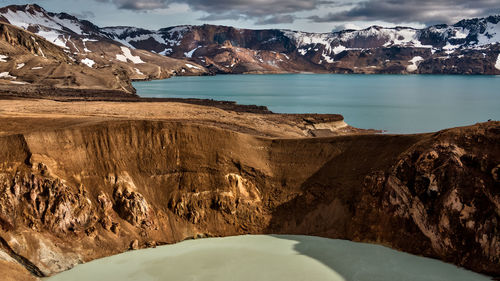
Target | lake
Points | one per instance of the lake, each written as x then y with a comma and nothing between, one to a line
395,103
267,258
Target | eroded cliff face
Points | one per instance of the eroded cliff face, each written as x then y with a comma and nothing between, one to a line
88,191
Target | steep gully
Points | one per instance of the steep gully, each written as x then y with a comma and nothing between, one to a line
72,195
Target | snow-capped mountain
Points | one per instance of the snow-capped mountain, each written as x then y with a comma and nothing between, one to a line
465,34
89,45
469,46
29,62
56,28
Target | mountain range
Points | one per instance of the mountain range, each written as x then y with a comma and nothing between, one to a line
467,47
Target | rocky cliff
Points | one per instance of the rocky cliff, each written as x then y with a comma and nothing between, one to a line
86,191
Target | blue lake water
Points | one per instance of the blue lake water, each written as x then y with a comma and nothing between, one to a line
395,103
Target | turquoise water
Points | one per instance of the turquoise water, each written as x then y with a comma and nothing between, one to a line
395,103
267,258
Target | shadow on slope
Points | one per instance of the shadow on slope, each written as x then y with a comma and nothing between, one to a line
362,261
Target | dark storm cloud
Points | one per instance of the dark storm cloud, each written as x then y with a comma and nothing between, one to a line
255,8
422,11
284,11
138,5
264,11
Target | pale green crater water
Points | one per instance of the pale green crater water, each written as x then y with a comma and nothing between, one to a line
395,103
267,258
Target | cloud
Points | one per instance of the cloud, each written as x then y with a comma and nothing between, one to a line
340,11
421,11
276,20
255,8
138,5
263,11
84,15
346,26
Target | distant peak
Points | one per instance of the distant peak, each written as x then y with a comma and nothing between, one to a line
26,8
34,6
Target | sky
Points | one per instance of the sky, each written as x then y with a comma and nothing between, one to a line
304,15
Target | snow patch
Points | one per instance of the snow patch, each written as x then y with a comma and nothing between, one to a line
285,55
192,66
7,75
88,62
19,66
53,37
175,35
36,67
25,19
491,34
69,24
497,64
165,52
327,58
415,61
460,34
127,55
3,58
85,49
127,36
338,49
19,82
190,53
388,37
138,71
449,48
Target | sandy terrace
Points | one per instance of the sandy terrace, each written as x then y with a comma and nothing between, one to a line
24,115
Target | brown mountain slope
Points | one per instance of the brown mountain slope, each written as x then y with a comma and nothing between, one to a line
84,41
139,65
92,187
29,60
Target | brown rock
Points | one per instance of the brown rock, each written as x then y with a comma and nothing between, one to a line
134,245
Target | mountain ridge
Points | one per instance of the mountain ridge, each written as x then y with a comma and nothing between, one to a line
84,41
469,46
